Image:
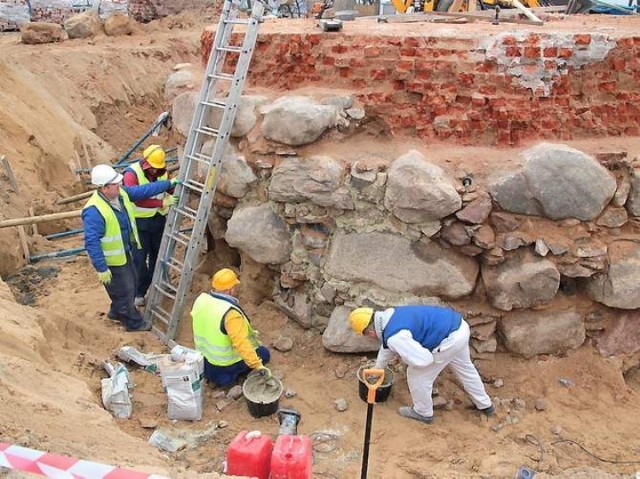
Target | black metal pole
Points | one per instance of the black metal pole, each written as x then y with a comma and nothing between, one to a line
367,436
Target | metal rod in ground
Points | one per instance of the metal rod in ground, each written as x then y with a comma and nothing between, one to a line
161,120
58,254
62,234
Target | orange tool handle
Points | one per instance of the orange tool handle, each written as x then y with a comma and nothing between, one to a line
372,387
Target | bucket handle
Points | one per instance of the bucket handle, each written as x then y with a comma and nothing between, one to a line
368,374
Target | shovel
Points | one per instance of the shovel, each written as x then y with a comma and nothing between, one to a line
373,378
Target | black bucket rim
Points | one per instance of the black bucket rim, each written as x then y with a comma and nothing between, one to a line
388,372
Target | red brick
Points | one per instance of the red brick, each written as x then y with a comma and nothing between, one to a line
408,51
531,52
509,40
378,74
329,61
313,38
398,84
609,86
371,51
339,49
359,83
405,64
565,52
532,40
582,39
550,52
466,78
619,64
356,62
345,72
512,52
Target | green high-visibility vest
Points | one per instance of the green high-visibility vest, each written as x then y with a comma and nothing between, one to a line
111,243
208,313
142,180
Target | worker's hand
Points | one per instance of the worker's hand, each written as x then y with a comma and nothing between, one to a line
263,371
175,182
105,276
169,200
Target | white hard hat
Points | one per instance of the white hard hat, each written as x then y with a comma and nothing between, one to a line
104,175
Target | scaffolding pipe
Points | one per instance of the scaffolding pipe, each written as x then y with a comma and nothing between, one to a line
161,120
57,254
62,234
30,220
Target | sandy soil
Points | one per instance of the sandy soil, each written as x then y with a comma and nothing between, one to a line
104,93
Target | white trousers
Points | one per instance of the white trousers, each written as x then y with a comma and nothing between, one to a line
452,351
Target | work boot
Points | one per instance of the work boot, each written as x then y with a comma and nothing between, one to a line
143,327
488,411
112,316
139,301
409,412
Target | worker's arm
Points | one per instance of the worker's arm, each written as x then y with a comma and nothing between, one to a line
94,228
131,179
142,192
410,350
384,356
238,331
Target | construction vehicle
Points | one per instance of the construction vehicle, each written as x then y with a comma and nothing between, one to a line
455,6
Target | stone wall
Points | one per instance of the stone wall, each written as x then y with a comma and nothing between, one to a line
537,259
499,89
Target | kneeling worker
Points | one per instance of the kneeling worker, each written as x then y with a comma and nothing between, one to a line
223,334
427,339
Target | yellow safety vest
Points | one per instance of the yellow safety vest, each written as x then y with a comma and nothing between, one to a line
111,243
208,313
142,180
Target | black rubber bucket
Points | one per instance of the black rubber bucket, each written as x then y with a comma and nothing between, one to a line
262,401
383,391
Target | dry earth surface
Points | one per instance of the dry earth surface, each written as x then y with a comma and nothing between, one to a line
104,93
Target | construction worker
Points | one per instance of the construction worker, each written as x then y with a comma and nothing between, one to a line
111,236
427,338
223,334
150,214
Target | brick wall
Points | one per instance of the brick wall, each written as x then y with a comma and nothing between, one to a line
498,90
147,10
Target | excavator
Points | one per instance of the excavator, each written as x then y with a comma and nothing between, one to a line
454,6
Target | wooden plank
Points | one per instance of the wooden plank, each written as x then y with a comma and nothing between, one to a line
9,172
40,219
25,245
402,19
34,227
471,6
86,155
71,199
527,13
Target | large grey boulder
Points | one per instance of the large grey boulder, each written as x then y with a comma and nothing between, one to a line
246,116
619,286
622,336
393,262
84,25
35,33
296,120
260,233
633,201
180,81
542,332
318,179
340,338
236,176
419,191
558,182
182,110
521,281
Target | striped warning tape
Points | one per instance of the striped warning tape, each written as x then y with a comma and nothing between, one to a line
63,467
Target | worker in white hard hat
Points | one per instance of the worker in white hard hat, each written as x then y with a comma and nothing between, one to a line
150,214
223,334
110,236
427,339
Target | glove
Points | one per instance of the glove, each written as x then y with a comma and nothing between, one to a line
105,276
175,181
169,200
263,372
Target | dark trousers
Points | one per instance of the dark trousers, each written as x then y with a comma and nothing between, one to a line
150,232
121,290
224,376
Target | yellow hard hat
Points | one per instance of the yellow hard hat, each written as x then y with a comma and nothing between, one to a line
155,155
360,319
224,279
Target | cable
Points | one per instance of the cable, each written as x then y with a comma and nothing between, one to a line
592,454
536,442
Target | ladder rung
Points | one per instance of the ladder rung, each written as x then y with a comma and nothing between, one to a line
188,212
161,313
205,130
230,49
194,185
180,238
214,104
175,264
164,292
199,157
222,76
236,22
169,286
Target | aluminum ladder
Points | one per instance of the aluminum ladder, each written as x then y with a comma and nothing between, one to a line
199,171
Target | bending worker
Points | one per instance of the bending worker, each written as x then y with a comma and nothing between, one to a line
223,334
150,213
427,339
111,237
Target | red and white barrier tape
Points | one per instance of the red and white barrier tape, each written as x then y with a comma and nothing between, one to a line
63,467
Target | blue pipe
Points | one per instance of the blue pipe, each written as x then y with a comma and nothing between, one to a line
64,233
162,119
57,254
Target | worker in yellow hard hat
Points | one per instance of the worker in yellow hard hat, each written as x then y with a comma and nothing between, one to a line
150,214
223,334
427,339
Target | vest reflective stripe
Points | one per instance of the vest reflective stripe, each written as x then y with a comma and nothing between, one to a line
142,180
209,340
111,243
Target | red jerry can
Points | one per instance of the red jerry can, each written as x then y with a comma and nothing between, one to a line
292,457
249,454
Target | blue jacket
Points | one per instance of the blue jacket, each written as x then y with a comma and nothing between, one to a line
429,325
94,225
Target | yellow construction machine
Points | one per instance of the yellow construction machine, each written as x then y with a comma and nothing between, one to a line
455,6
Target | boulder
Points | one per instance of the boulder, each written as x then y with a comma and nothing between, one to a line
633,201
340,338
180,81
41,32
182,110
260,233
418,191
623,336
236,176
542,332
83,25
296,120
118,24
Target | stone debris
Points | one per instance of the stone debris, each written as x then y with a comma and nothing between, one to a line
341,404
498,383
220,405
234,393
557,430
567,383
541,404
283,344
290,393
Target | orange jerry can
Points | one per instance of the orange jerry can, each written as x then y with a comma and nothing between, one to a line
249,454
292,457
